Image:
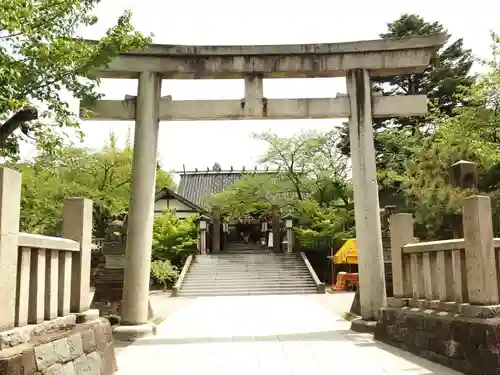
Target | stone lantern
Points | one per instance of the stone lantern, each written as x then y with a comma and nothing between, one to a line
202,222
289,224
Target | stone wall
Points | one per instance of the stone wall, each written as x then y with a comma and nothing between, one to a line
85,348
469,345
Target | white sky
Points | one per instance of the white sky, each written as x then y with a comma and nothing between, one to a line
262,22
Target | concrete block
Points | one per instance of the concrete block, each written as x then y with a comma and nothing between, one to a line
75,346
55,369
88,341
61,350
95,363
68,369
45,356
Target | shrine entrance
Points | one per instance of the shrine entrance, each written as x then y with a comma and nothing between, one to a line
356,61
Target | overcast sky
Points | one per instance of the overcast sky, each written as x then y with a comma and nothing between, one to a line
262,22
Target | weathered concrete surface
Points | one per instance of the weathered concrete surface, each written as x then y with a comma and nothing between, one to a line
82,349
469,345
266,335
382,57
273,109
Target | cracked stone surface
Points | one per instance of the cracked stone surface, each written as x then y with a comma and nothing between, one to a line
260,335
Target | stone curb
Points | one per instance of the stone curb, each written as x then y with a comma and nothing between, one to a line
363,326
133,332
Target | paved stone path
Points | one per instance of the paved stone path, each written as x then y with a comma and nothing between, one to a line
264,335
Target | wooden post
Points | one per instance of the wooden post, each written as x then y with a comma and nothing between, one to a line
10,210
401,232
481,268
77,226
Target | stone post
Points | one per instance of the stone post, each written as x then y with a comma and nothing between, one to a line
290,238
366,200
254,94
77,226
276,228
216,227
401,233
134,310
202,224
462,175
480,260
10,209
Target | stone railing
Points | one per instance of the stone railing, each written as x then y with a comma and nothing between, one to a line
42,277
459,275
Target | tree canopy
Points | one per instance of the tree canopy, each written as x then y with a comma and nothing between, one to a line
103,176
43,60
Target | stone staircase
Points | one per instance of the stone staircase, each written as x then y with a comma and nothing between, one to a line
244,271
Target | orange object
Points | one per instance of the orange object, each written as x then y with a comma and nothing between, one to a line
341,281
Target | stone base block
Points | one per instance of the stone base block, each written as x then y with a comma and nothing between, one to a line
87,316
463,309
132,333
81,349
23,335
468,345
363,326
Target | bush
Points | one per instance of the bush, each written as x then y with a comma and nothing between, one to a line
174,239
164,272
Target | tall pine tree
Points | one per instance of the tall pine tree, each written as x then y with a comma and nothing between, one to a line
448,71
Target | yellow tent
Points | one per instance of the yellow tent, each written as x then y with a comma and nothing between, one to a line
348,253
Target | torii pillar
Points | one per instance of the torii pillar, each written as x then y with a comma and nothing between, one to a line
366,201
134,309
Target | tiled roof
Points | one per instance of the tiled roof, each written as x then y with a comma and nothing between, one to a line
197,186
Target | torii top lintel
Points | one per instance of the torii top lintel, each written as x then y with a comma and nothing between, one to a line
383,57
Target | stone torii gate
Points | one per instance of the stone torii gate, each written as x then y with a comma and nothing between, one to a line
357,61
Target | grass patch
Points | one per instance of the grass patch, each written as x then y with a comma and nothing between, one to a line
157,320
349,316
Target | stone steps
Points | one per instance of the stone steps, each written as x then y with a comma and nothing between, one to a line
247,273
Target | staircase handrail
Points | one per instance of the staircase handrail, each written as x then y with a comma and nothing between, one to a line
319,284
185,269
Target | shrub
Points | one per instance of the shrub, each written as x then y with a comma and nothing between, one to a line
164,272
173,238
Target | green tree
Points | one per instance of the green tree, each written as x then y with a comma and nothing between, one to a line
103,176
42,59
173,238
470,133
447,74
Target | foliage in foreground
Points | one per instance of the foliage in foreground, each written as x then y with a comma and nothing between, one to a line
43,61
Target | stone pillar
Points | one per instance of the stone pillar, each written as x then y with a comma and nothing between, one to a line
276,228
254,96
366,200
462,175
216,227
401,232
134,309
77,226
480,260
10,208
